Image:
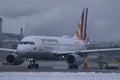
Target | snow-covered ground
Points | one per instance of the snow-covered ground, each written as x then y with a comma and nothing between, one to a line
58,76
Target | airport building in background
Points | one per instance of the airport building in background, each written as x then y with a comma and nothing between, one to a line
9,40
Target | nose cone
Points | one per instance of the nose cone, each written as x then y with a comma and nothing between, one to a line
22,49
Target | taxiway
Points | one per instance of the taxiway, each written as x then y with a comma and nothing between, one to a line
54,66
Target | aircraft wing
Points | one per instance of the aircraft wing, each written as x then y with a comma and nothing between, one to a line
100,50
65,52
87,51
8,50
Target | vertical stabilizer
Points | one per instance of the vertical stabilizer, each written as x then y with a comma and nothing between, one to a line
80,33
85,29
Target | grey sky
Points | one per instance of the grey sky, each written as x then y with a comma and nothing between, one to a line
60,17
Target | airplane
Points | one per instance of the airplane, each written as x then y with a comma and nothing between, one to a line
72,49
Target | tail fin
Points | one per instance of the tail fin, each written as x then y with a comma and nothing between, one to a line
80,33
85,29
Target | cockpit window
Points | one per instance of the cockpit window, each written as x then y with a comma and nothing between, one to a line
32,43
27,42
21,42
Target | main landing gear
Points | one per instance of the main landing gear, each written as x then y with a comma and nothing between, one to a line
32,64
73,67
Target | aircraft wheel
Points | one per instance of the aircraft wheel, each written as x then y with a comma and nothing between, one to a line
30,66
71,67
36,66
75,67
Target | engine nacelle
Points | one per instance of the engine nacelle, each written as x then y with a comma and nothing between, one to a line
14,59
74,59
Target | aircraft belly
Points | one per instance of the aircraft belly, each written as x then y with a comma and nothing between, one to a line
41,56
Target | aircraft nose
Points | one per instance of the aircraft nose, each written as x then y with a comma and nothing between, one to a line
22,49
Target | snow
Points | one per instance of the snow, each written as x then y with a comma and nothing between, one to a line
58,76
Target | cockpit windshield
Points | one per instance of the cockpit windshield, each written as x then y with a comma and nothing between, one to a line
27,43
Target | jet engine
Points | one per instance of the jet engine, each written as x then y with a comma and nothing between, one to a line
74,61
14,59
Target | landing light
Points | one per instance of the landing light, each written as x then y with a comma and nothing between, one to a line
63,56
30,59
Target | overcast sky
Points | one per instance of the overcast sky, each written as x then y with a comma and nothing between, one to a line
60,17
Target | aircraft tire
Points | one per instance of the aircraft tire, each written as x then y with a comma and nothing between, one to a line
73,67
36,66
30,66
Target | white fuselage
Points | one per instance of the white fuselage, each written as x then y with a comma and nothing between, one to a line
44,46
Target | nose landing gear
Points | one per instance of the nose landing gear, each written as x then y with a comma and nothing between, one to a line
33,64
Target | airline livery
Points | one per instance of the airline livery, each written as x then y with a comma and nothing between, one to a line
35,48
